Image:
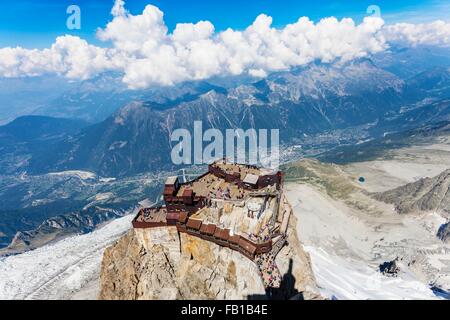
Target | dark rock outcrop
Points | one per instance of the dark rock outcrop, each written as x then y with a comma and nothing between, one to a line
390,268
426,194
444,232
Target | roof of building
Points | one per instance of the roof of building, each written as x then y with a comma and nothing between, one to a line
171,180
208,229
247,245
234,239
204,227
188,193
183,217
251,179
173,216
223,234
169,190
194,224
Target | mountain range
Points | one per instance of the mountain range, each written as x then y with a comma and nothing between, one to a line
426,194
350,101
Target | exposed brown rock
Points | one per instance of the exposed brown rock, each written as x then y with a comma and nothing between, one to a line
158,263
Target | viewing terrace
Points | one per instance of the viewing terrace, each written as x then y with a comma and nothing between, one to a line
231,182
151,217
155,217
240,201
237,206
211,186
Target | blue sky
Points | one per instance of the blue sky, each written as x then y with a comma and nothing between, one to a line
35,24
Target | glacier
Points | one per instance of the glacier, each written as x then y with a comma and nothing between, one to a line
61,269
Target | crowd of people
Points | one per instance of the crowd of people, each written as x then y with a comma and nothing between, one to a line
269,271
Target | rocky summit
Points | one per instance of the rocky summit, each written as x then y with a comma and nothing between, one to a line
159,263
228,234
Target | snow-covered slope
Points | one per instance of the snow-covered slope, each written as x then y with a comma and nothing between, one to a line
343,279
349,234
62,270
346,248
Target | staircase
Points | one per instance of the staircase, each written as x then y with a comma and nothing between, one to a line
279,244
267,266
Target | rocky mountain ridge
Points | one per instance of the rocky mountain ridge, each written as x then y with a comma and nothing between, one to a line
426,194
159,263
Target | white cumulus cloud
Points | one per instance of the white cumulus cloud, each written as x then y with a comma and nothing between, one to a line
436,33
69,55
142,48
151,55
